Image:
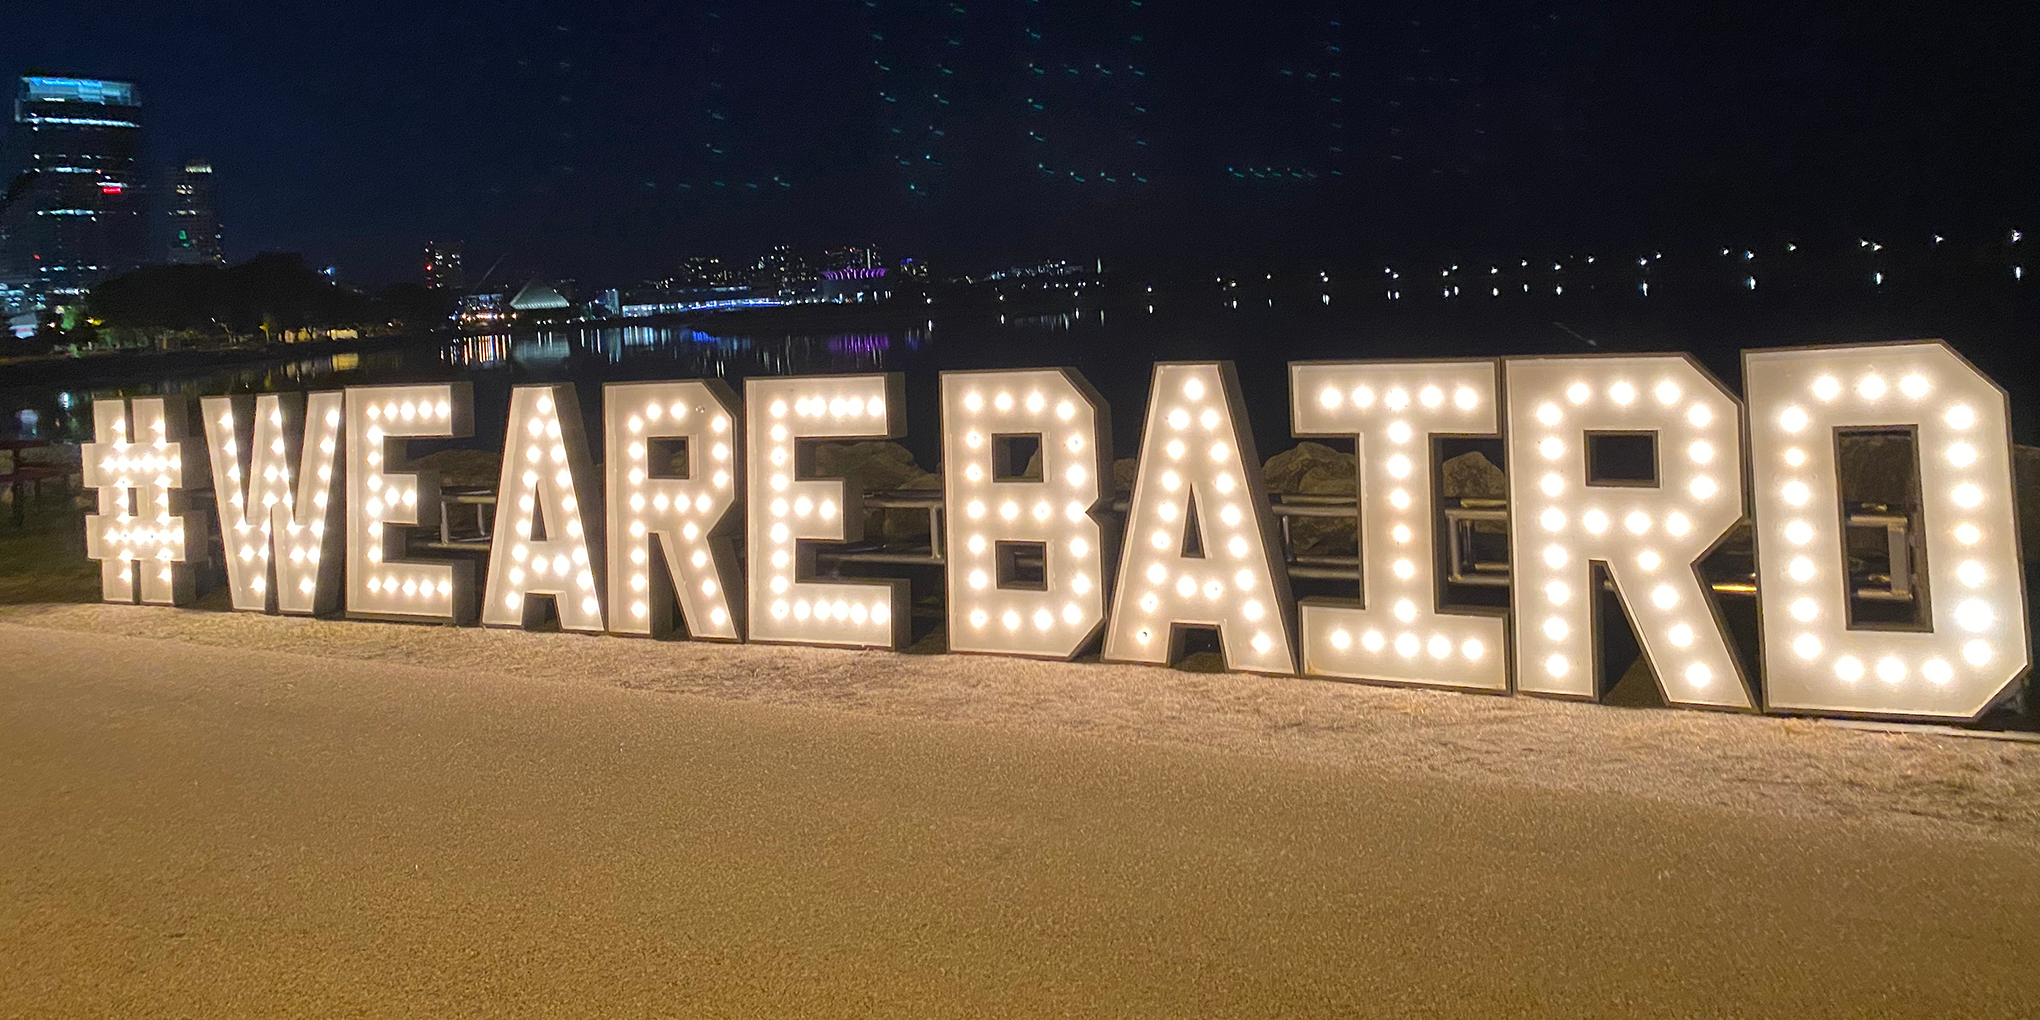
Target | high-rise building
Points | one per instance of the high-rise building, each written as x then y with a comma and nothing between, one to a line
701,271
74,207
194,220
443,268
853,256
781,272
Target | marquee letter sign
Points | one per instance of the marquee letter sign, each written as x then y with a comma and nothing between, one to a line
545,473
381,581
142,535
1887,562
1000,522
685,518
787,510
1566,514
1398,633
1199,537
1972,640
283,541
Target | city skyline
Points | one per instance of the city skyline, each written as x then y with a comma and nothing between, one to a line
579,144
193,218
76,197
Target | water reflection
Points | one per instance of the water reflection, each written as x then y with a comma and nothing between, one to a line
479,351
1114,345
685,351
62,411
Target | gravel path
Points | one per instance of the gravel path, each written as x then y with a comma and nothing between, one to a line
197,828
1927,783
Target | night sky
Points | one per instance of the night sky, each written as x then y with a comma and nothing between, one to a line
607,143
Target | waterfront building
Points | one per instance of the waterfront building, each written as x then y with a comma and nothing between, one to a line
539,296
194,219
443,266
852,256
702,271
783,274
73,213
855,273
482,311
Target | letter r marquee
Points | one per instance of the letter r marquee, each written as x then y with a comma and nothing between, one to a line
1625,474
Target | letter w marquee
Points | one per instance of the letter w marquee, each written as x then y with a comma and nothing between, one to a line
316,504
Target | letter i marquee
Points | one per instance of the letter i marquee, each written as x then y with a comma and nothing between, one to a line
1901,598
1398,633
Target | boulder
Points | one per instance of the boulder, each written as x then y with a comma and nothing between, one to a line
870,466
465,467
1879,468
1311,469
879,466
1472,476
1123,472
1314,469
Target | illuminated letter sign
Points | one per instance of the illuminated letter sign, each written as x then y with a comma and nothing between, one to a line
1970,641
142,531
1650,531
1026,557
786,510
379,582
545,472
267,520
688,516
1398,633
1626,473
1199,478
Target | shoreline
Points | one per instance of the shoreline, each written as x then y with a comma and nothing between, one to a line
109,367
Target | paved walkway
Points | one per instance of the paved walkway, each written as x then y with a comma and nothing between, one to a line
192,831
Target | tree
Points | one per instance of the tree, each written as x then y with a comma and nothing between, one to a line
276,291
416,306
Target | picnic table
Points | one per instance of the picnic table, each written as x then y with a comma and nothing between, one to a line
19,475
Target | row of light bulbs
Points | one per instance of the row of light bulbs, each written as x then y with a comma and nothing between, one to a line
1197,463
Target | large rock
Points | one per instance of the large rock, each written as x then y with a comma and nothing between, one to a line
1472,476
1314,469
1123,472
465,467
870,466
879,466
1311,469
1878,468
1881,469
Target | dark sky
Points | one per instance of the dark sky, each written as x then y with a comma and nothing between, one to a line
606,141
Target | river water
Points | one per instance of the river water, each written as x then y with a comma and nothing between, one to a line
1114,341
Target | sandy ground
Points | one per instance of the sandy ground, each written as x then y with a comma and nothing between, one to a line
206,820
1786,767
